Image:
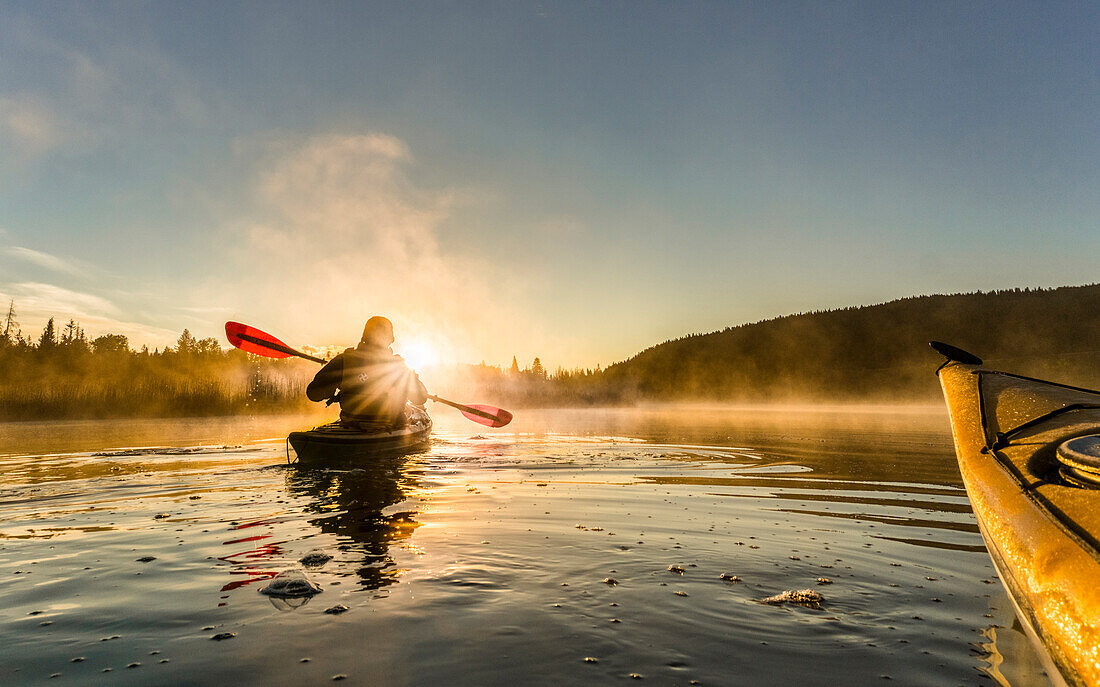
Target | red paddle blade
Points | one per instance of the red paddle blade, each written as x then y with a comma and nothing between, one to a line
255,341
488,415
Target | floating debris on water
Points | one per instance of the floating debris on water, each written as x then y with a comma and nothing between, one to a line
146,559
730,577
315,558
165,451
125,453
591,659
610,581
681,593
801,597
678,569
161,516
223,635
291,583
824,580
336,610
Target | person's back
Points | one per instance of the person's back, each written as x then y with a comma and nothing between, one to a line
374,384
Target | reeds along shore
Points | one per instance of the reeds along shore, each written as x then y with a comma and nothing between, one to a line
69,376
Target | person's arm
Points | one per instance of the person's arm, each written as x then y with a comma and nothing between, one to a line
418,393
326,381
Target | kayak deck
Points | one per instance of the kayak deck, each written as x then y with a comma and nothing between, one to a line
336,441
1042,532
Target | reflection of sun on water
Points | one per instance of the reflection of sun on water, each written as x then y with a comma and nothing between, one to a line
417,354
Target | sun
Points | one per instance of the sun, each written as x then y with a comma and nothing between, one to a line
418,354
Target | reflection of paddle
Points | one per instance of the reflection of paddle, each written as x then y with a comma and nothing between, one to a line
259,342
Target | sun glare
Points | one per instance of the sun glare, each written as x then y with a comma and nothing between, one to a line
418,354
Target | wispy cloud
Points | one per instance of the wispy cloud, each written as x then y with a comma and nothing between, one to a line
36,302
30,128
207,310
62,302
50,262
91,93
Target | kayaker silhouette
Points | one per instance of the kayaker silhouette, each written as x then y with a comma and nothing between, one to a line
374,384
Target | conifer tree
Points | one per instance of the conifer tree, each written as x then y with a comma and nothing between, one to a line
73,333
48,340
185,345
11,327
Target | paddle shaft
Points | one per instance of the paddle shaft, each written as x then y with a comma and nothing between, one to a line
282,349
465,409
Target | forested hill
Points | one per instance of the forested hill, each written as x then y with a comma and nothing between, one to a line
877,352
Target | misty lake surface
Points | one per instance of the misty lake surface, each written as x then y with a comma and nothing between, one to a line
537,554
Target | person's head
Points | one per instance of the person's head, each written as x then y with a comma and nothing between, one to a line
378,331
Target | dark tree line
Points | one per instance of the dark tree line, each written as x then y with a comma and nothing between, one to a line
875,352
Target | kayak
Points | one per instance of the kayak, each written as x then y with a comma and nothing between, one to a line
336,441
1029,455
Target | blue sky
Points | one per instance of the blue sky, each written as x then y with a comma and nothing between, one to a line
575,181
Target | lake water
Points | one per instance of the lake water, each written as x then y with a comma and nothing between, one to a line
537,554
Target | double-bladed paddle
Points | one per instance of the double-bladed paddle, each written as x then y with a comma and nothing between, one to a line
259,342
